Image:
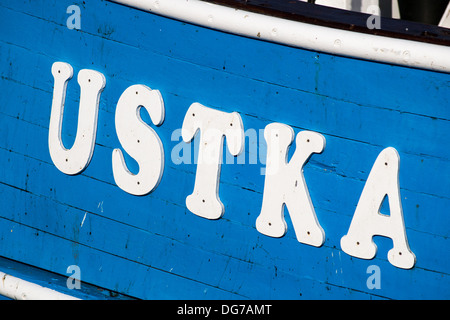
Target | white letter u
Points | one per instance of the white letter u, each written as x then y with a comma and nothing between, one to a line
91,82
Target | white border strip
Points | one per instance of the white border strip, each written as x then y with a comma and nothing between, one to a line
308,36
19,289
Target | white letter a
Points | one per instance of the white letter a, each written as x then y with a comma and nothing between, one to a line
368,221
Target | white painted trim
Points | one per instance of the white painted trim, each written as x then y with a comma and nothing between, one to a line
19,289
312,37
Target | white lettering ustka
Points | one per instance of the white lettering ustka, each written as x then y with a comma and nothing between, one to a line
139,140
91,82
368,221
285,185
214,125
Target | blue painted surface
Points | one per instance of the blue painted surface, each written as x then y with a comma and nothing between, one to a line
152,246
55,282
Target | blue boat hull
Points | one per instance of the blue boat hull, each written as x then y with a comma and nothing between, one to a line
152,246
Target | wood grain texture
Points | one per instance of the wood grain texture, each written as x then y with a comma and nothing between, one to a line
152,246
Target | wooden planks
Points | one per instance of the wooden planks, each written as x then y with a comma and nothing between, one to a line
152,247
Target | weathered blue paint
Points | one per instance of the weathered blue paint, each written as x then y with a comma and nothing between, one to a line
55,282
152,246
